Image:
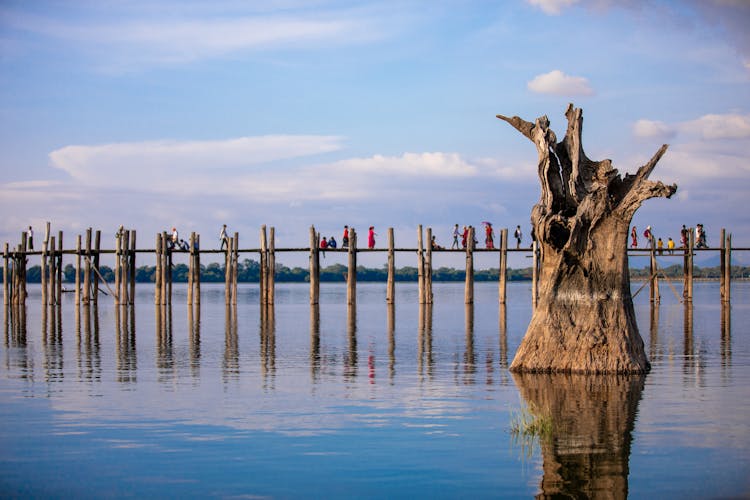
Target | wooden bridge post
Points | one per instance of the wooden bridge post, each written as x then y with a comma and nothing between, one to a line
228,272
59,266
6,286
78,271
469,283
503,269
722,265
122,280
51,294
420,264
654,279
191,270
390,287
271,281
351,275
428,269
197,277
118,264
263,271
97,248
131,267
157,270
87,270
235,266
727,251
314,266
165,274
45,285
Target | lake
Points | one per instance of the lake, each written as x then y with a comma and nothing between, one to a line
372,401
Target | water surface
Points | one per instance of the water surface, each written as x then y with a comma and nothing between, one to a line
369,401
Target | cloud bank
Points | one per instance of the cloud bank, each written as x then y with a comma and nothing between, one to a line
558,83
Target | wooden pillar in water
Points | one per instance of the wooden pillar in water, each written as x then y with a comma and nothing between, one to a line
469,283
97,248
314,267
726,251
78,270
118,263
197,277
534,272
263,271
503,269
235,266
420,264
271,281
654,289
428,269
87,270
164,269
157,271
6,285
351,275
59,266
228,271
390,287
122,291
45,284
52,273
191,269
131,267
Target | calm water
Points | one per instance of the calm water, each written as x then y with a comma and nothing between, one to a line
372,402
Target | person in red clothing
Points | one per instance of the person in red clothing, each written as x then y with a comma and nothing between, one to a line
371,237
323,245
464,237
488,239
634,237
345,238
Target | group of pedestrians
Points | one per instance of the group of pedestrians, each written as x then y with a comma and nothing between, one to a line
489,240
700,239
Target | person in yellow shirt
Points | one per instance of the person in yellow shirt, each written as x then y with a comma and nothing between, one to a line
670,245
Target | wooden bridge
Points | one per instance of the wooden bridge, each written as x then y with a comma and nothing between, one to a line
88,278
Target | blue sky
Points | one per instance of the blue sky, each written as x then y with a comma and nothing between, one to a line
156,114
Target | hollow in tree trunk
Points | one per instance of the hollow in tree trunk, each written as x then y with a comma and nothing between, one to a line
584,319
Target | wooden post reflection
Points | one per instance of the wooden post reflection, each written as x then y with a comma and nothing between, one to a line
425,358
391,327
350,358
654,354
587,452
688,348
314,342
470,358
503,334
231,362
194,325
268,344
164,350
726,335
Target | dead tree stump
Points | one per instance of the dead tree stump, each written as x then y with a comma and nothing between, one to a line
584,319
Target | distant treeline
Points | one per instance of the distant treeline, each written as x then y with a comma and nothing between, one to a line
249,271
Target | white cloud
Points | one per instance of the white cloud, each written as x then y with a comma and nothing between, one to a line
558,83
136,40
652,129
169,162
553,7
409,164
718,126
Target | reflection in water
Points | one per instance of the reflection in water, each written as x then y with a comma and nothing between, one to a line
693,363
654,352
127,365
726,335
231,362
89,355
350,358
17,353
503,334
592,417
194,325
54,366
425,342
315,342
267,344
391,326
164,349
470,358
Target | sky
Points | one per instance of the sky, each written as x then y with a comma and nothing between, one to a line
158,114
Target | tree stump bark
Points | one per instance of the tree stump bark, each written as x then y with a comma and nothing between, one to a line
584,320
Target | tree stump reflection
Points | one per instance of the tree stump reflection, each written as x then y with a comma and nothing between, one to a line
587,452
